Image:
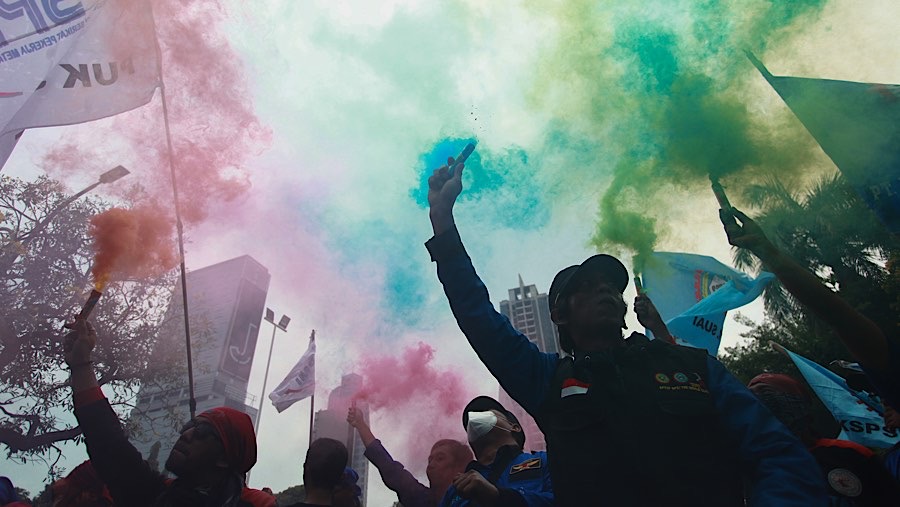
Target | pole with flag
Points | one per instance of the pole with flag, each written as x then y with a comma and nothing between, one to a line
91,60
858,127
300,382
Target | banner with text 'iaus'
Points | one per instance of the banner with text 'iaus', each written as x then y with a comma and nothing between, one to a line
693,293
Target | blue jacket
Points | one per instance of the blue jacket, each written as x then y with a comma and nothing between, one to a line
525,481
777,467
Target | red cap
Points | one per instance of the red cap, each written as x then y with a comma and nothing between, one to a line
780,382
235,429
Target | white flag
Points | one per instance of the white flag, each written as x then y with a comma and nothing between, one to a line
7,143
300,383
70,62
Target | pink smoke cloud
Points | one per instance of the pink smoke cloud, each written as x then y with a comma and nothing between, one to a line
421,401
214,127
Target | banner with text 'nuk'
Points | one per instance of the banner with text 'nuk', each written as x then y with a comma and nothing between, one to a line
64,62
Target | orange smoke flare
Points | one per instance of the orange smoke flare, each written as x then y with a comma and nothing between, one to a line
131,243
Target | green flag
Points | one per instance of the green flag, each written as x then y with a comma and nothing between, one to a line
858,126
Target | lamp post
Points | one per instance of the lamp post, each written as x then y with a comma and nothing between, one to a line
114,174
282,325
110,176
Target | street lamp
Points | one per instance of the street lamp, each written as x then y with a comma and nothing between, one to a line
114,174
110,176
282,325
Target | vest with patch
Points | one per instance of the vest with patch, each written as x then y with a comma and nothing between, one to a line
637,426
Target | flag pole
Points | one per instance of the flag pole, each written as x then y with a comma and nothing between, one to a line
192,402
312,397
312,411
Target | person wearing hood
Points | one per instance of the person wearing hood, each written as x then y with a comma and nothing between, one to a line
213,453
502,474
628,421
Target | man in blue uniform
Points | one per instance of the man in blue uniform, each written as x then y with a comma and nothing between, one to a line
627,421
502,475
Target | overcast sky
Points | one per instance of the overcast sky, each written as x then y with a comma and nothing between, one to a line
359,94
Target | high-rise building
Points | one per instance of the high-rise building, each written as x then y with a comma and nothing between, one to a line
332,423
529,312
225,304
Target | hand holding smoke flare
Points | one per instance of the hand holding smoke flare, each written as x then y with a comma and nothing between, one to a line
726,210
463,156
719,192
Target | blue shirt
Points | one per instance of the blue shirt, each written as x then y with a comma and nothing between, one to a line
525,480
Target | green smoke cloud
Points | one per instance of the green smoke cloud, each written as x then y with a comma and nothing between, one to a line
660,89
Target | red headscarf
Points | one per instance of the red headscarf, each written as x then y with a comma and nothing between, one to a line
235,429
82,487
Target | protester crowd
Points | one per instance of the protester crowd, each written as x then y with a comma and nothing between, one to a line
618,432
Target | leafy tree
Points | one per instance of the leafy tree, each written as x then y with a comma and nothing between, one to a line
24,495
830,232
45,261
291,495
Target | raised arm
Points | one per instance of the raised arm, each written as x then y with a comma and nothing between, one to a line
862,337
649,317
522,370
444,186
77,347
355,418
395,476
122,468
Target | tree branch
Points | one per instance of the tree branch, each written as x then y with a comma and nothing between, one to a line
18,442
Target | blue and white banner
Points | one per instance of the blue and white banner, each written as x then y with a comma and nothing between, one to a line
860,414
694,292
66,62
300,382
858,127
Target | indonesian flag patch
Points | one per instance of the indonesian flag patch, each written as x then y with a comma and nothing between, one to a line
532,464
573,386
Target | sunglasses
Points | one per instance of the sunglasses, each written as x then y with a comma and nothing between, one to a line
202,430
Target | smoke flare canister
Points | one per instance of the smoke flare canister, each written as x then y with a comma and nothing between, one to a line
720,195
463,156
90,304
638,285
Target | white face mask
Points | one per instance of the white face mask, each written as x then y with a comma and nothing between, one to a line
480,424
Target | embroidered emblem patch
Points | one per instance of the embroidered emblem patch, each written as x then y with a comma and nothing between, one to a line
531,464
681,377
662,378
845,482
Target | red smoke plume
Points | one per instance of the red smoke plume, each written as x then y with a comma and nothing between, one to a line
214,128
131,243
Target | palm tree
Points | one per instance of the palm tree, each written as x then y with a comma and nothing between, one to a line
833,234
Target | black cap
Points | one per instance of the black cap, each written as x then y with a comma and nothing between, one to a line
602,263
486,404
